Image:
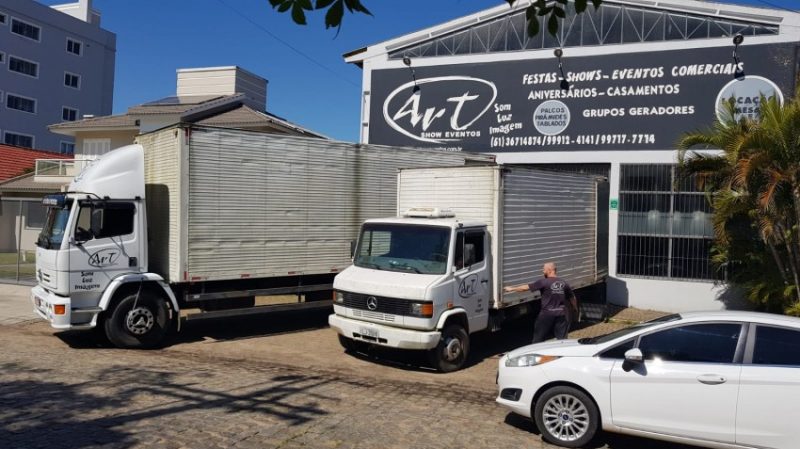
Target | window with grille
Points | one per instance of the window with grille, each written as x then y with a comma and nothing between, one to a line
20,103
69,114
25,29
67,148
74,47
665,228
22,66
72,80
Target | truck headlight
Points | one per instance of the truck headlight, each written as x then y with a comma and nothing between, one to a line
338,297
422,309
529,360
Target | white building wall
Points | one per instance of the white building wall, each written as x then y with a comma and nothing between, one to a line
94,66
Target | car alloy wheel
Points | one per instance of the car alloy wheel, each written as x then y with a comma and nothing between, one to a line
565,417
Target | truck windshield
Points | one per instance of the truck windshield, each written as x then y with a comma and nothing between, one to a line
53,230
405,248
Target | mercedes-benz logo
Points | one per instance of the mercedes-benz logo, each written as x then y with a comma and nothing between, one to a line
372,303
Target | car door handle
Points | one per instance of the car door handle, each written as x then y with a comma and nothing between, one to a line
485,281
711,379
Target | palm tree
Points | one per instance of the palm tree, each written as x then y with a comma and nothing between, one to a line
754,186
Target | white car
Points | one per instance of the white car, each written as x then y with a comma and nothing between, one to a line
713,379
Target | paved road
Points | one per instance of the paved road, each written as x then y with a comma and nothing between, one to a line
277,382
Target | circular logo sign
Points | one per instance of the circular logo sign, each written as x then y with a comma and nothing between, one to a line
746,94
551,117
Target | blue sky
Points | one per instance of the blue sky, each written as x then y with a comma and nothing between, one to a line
157,37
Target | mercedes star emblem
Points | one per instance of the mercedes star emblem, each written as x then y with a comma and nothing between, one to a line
372,303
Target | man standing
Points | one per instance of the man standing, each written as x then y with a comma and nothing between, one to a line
554,316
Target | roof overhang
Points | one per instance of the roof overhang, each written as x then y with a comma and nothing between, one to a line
710,9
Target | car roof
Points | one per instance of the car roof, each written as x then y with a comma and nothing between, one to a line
741,315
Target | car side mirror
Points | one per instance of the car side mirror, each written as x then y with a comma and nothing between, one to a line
634,355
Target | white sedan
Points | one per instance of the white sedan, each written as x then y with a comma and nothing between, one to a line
714,379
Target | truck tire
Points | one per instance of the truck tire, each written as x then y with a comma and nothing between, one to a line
137,321
452,351
566,417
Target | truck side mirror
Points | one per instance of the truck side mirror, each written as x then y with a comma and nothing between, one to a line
352,248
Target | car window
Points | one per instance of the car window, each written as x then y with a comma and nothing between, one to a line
708,342
776,346
618,351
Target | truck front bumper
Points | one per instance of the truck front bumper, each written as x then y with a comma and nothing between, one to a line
384,335
44,305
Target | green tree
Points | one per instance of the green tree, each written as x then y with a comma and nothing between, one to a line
754,188
554,10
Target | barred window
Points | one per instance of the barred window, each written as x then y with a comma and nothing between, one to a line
665,228
25,29
22,66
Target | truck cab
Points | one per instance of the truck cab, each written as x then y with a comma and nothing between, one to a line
421,281
93,248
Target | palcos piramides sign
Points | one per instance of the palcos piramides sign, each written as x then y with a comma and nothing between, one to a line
631,101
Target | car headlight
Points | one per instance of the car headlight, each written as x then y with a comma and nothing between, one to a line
529,360
338,297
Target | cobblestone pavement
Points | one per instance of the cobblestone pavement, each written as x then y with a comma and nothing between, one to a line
257,383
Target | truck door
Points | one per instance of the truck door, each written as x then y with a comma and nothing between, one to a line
472,277
103,245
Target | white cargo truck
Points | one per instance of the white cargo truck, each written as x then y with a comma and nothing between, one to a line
432,276
209,219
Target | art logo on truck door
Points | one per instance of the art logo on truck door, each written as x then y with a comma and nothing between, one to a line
468,286
104,258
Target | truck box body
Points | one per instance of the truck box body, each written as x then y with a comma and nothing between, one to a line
533,216
228,204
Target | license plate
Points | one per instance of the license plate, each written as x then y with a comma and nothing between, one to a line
369,332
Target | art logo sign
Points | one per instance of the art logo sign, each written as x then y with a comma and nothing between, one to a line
440,109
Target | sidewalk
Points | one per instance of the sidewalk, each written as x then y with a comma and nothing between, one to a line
15,304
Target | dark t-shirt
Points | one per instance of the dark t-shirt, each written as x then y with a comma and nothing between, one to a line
555,294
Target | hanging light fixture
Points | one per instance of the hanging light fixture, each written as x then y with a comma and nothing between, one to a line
564,83
407,62
738,72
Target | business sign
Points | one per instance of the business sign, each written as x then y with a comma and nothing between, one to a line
631,101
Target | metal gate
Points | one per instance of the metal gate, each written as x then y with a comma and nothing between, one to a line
21,220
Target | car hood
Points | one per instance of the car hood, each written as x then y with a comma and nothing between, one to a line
557,348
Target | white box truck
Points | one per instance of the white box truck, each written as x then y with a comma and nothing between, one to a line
432,276
207,218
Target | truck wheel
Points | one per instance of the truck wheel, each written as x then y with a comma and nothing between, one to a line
138,323
351,345
566,417
452,351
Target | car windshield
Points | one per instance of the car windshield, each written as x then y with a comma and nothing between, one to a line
628,330
405,248
53,230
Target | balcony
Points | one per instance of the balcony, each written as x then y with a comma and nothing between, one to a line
60,171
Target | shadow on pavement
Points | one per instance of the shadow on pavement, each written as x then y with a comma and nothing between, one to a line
223,329
107,408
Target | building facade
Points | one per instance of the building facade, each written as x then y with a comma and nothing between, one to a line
610,94
56,65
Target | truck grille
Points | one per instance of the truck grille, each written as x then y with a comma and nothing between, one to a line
384,305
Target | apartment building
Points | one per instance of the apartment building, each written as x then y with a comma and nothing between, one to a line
56,65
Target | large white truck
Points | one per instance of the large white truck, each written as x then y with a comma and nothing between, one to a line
201,218
434,274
